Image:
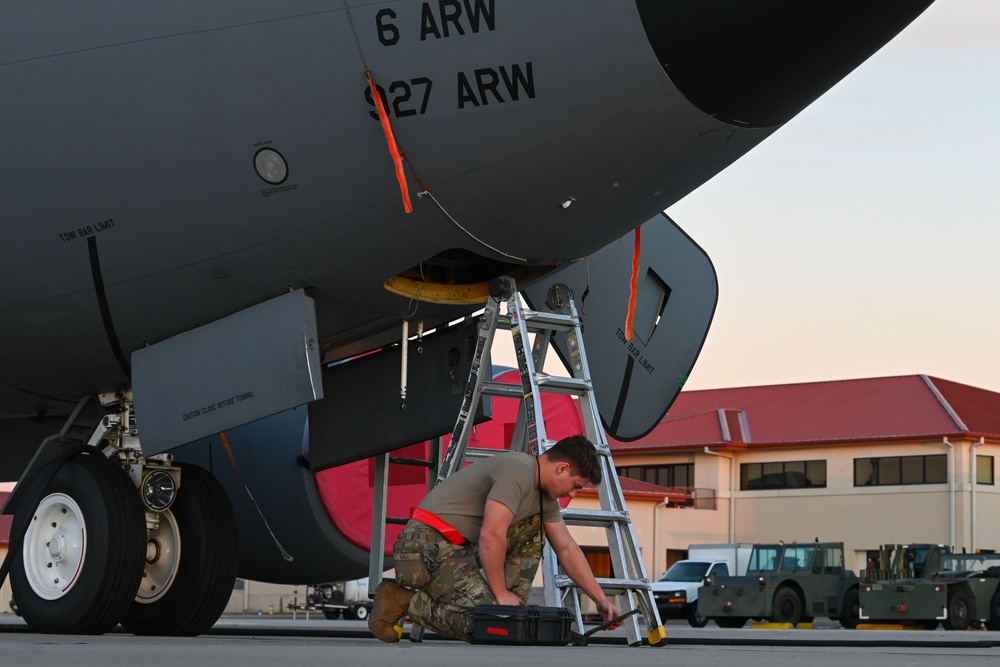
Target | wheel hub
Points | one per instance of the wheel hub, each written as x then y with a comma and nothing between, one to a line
55,546
163,556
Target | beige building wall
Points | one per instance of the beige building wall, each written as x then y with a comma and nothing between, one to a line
958,513
257,597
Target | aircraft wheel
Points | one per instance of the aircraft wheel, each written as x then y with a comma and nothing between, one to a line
850,612
82,555
961,610
730,622
198,579
361,612
787,606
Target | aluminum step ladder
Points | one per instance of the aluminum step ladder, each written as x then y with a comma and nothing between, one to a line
631,584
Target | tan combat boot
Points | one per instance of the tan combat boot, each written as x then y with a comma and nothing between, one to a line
388,608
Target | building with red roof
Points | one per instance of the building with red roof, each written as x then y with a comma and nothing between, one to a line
866,462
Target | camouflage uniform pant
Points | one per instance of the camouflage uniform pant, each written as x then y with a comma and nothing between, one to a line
457,584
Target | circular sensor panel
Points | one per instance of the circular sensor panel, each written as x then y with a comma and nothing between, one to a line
270,165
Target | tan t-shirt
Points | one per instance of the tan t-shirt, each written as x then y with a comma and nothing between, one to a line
510,478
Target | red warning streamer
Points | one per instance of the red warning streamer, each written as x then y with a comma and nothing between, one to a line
633,285
391,140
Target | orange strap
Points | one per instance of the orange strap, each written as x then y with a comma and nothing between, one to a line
435,522
391,140
633,285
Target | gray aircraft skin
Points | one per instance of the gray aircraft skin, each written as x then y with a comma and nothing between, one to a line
167,166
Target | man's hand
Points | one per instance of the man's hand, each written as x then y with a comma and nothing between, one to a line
608,611
506,597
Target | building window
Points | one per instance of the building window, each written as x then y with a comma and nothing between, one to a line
678,474
782,475
599,560
898,470
984,470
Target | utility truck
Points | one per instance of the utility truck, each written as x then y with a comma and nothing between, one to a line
347,598
784,583
963,591
676,593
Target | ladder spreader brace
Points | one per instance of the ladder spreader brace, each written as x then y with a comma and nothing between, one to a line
632,584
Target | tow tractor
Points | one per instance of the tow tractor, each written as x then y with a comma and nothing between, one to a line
964,591
785,583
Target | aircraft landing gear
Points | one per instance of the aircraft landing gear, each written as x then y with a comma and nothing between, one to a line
160,559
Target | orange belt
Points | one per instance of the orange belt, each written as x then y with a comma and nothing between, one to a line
435,522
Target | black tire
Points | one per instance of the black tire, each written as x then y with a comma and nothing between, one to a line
206,570
92,508
332,614
696,620
850,610
731,622
787,606
993,622
361,612
961,610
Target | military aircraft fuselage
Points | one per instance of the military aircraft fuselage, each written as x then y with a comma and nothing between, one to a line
166,165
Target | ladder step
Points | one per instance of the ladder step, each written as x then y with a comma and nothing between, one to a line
481,452
550,383
563,385
503,389
540,321
610,585
600,518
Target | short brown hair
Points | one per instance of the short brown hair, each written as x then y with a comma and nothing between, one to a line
580,454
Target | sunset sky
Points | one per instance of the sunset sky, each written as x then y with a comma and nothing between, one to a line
863,238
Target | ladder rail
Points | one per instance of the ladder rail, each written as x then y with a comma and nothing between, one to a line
529,432
473,391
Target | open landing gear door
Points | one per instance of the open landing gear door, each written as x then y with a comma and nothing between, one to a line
252,364
636,381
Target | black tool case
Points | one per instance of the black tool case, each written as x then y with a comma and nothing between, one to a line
511,624
552,625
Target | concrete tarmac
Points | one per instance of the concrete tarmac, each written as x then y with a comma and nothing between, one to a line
281,641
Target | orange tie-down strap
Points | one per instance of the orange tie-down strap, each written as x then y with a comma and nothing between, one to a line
435,522
633,284
397,159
